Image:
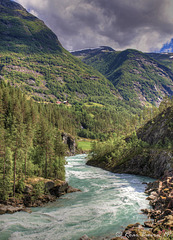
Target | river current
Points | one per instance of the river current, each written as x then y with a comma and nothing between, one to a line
108,202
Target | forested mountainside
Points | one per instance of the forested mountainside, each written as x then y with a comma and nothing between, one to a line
138,77
32,58
149,151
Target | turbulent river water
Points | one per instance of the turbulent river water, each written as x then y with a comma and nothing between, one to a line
108,202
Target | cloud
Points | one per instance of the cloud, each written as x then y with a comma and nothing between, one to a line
140,24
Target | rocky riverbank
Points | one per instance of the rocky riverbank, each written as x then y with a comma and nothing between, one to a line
160,225
30,198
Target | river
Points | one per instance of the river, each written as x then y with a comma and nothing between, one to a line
108,202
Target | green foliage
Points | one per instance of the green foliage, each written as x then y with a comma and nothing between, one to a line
119,149
20,186
115,150
85,145
31,143
38,190
6,178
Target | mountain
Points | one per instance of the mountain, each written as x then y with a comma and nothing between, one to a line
137,76
167,47
32,58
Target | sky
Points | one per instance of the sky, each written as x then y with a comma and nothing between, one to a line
139,24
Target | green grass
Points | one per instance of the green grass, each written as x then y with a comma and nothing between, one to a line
91,104
85,145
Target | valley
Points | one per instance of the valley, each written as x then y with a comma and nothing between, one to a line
116,106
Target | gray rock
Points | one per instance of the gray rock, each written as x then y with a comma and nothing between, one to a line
85,237
71,190
49,185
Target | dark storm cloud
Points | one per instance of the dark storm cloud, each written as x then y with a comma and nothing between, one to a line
129,17
141,24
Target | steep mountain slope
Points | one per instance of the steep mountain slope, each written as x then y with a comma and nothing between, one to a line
137,77
32,58
21,31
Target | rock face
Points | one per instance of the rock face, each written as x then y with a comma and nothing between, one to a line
159,130
70,142
150,162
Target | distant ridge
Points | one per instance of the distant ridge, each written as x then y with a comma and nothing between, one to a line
139,78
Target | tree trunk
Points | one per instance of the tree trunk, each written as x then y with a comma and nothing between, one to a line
4,165
46,163
25,163
14,180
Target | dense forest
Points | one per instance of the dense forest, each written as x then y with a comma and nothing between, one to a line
30,143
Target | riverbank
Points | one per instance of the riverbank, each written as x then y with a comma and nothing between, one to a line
161,224
30,198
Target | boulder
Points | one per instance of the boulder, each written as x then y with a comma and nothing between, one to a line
59,189
85,237
71,189
49,185
137,232
148,224
28,189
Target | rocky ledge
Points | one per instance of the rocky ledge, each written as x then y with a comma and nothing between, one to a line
28,198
